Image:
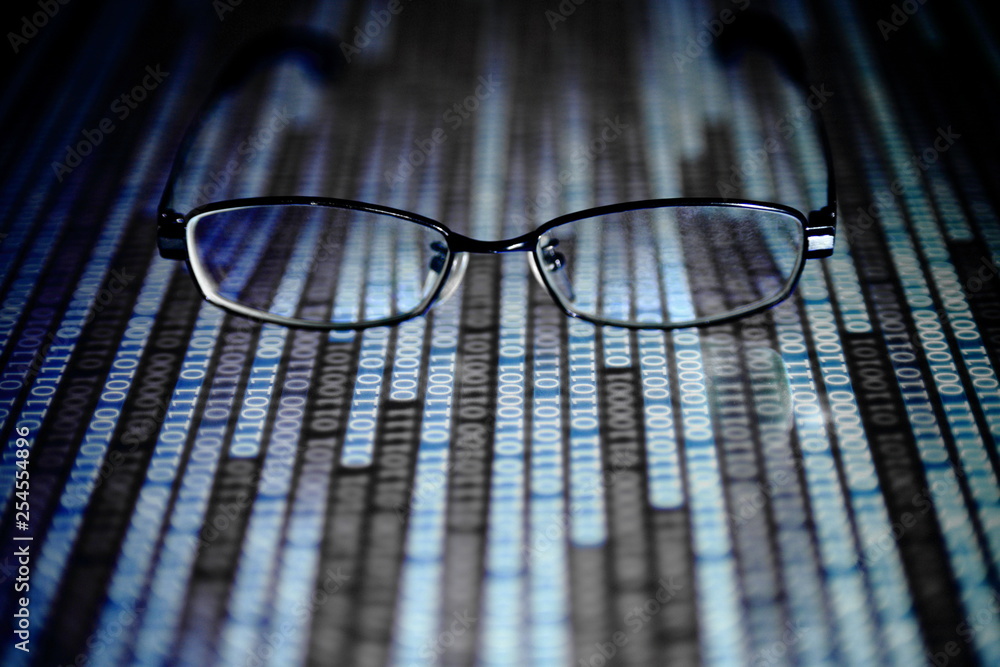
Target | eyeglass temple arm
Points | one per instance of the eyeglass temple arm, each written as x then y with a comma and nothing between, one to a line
764,32
251,57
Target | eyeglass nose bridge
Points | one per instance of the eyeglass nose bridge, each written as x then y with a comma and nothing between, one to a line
461,243
462,246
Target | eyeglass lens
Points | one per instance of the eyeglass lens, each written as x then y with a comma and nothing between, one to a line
318,264
672,265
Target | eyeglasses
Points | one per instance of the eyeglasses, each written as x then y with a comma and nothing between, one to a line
653,264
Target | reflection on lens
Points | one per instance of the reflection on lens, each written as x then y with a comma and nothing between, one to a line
317,263
673,265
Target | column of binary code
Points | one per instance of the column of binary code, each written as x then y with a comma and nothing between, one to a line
615,243
300,229
567,158
800,579
664,477
222,528
589,589
418,601
732,273
504,599
298,596
715,570
639,593
546,549
245,629
348,302
371,616
358,445
324,536
359,440
336,621
585,246
616,288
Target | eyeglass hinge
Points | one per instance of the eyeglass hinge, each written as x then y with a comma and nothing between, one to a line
171,235
820,233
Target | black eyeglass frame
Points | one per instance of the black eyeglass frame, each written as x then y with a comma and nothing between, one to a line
459,243
176,230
